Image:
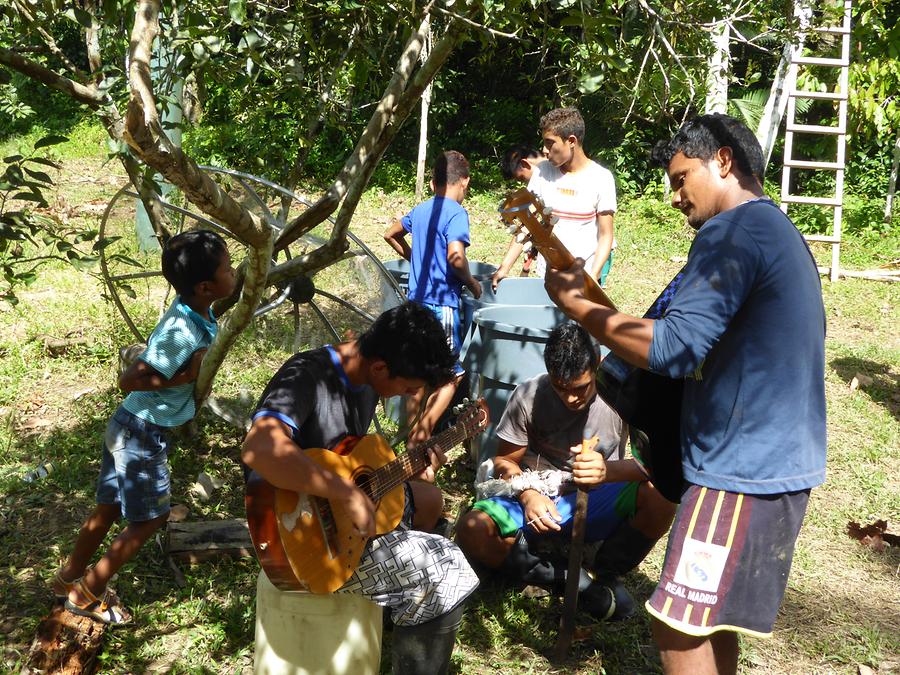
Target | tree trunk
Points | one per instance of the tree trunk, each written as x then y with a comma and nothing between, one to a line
423,126
892,184
145,135
66,644
719,65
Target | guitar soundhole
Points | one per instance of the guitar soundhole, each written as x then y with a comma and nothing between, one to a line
366,483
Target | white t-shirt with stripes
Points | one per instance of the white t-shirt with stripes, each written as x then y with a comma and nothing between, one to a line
576,198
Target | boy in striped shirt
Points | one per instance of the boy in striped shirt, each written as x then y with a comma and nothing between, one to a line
134,475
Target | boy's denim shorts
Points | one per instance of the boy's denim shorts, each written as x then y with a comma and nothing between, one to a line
134,471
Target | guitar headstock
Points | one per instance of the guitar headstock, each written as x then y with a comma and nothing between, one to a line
527,218
473,416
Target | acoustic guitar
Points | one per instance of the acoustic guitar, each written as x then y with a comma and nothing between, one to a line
649,403
307,543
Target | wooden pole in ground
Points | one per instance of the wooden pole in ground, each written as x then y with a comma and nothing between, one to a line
576,554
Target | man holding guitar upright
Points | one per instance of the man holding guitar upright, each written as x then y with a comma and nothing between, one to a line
746,329
316,400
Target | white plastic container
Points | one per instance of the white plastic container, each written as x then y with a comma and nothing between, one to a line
309,634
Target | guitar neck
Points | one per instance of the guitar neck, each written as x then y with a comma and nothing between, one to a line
414,461
518,206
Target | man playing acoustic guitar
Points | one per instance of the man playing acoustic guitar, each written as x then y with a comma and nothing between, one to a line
746,328
321,396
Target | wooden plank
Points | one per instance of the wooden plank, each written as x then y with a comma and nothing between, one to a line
197,541
821,201
66,644
821,95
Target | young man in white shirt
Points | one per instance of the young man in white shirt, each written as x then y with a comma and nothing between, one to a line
581,193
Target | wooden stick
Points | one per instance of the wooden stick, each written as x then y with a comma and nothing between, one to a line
576,554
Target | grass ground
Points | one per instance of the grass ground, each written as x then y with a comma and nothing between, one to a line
842,607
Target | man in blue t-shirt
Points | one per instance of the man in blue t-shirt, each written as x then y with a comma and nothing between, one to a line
438,269
746,331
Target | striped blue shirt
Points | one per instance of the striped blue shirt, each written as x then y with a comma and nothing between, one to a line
179,333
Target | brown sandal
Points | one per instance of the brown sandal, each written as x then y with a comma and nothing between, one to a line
60,586
105,608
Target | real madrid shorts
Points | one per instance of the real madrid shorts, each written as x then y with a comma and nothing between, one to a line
727,561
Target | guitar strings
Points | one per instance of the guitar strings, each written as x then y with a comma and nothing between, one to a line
389,476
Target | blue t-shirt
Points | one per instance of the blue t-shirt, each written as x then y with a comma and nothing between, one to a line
179,333
434,225
749,315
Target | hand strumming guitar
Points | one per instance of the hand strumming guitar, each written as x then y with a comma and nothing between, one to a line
360,509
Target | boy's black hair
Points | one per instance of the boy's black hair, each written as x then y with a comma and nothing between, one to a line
513,156
564,122
449,168
701,138
411,341
190,258
569,352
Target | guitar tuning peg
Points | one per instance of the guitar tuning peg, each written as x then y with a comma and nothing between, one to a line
548,210
527,246
554,220
457,409
512,229
521,237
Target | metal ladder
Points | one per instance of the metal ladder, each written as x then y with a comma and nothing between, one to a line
837,95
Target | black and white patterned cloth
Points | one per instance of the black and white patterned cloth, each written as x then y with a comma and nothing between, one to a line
418,576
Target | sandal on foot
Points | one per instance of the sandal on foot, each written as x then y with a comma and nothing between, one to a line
60,586
105,608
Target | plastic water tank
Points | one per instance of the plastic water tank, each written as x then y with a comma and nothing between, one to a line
506,348
399,269
510,291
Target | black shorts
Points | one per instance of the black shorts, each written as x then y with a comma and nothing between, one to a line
727,561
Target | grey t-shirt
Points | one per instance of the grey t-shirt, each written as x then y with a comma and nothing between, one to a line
312,395
536,417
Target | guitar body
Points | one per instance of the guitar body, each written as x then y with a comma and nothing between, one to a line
308,543
651,405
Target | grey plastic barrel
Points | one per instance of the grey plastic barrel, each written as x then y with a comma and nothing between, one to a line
399,269
510,291
506,348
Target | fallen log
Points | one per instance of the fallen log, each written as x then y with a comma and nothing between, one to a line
197,541
66,644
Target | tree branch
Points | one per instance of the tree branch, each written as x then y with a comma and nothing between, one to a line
50,43
89,95
379,120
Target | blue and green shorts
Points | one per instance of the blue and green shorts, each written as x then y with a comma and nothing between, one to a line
608,505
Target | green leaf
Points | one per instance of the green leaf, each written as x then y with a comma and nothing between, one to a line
101,244
44,161
12,158
39,175
52,139
30,197
128,290
80,16
85,262
237,9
